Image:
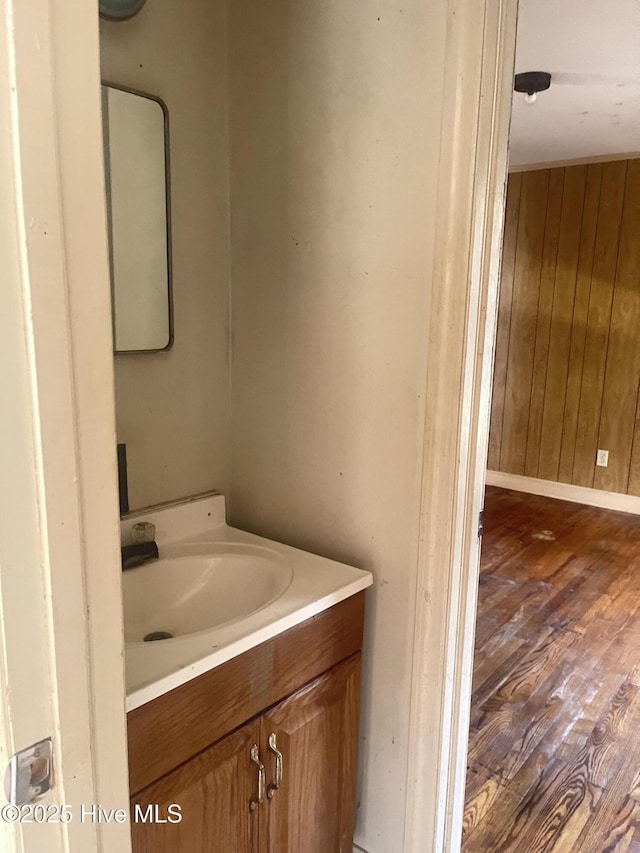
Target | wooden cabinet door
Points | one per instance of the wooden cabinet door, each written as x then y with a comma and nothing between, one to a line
316,731
214,790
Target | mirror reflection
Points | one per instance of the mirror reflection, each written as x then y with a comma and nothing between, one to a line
136,172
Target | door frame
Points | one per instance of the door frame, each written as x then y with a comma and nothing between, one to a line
60,250
479,63
61,639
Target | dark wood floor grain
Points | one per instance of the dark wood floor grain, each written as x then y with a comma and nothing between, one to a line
554,750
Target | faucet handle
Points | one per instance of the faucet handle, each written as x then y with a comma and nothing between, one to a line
143,531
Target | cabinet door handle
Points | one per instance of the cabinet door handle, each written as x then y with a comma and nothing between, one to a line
255,757
275,786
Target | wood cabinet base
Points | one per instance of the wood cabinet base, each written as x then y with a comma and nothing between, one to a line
303,798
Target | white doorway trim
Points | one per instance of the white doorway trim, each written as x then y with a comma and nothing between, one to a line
60,593
473,171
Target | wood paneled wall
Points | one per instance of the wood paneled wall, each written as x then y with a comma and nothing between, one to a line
567,363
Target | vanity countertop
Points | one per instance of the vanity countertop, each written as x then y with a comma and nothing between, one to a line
317,583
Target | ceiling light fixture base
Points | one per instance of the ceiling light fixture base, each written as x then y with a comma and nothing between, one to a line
532,82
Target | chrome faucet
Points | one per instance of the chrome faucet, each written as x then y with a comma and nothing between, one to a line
136,555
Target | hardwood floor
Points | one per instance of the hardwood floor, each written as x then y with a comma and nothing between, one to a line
554,751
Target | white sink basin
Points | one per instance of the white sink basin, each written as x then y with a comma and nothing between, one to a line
218,591
196,587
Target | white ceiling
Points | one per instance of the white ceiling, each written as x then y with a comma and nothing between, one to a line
599,39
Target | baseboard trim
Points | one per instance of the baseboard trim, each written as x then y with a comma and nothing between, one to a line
565,492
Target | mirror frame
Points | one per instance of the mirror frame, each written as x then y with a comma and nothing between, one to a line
167,181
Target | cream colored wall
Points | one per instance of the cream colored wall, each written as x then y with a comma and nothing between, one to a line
173,408
335,116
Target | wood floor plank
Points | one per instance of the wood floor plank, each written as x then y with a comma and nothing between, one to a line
481,799
614,826
576,792
553,748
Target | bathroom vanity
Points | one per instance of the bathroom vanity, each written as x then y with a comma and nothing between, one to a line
248,726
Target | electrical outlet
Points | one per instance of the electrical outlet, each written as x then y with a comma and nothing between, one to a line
602,458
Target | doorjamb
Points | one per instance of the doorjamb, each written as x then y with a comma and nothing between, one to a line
63,346
60,37
478,84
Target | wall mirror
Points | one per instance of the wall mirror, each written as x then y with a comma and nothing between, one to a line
136,137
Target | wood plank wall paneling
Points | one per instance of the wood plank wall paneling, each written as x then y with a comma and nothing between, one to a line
510,242
620,398
599,322
542,353
567,359
557,367
524,314
589,221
